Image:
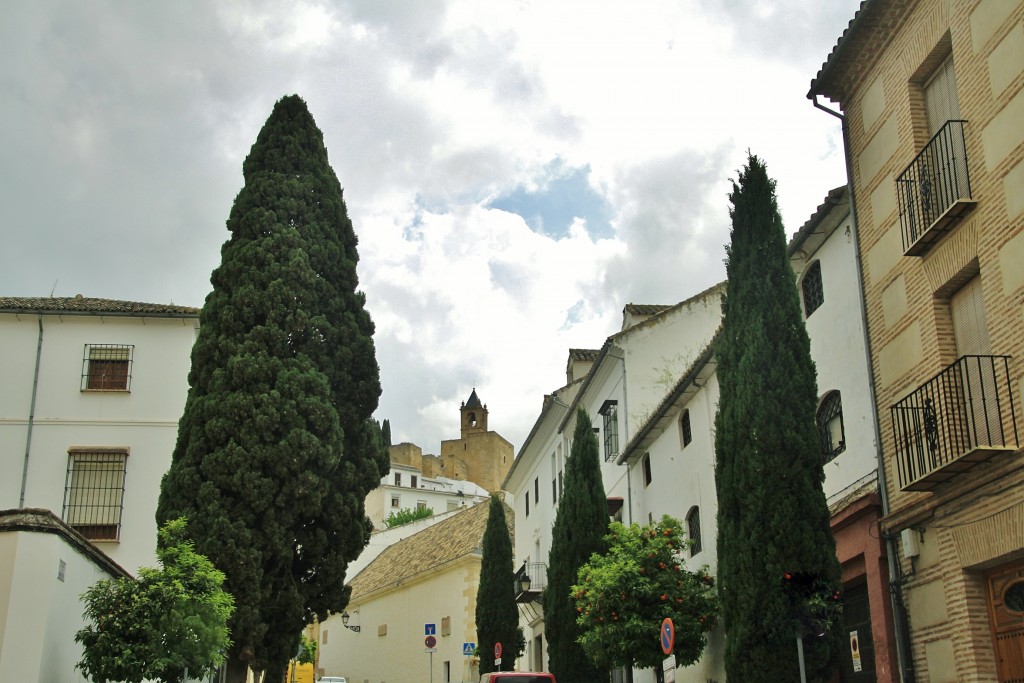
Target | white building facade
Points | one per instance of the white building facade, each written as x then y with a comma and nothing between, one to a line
93,390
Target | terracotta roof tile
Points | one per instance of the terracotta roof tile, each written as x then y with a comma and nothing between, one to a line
81,304
448,540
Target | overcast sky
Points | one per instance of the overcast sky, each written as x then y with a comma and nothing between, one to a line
517,171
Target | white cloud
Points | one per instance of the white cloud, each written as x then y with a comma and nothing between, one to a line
128,124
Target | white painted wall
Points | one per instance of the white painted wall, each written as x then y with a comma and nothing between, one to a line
398,653
145,420
39,613
836,329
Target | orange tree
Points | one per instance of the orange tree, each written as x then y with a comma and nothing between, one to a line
624,595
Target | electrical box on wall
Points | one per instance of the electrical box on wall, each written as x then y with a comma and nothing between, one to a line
911,542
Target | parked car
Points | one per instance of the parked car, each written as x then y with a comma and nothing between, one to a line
333,679
517,677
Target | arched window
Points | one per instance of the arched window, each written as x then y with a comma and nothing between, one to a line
811,287
684,428
693,529
830,426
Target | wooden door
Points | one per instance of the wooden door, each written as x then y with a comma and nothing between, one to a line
1006,615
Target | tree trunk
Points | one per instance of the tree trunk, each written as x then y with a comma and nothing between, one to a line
236,670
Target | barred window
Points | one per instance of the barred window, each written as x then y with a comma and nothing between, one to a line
107,367
94,492
814,295
830,426
609,411
693,529
684,427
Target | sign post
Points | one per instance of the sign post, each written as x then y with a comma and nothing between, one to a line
431,642
667,633
497,654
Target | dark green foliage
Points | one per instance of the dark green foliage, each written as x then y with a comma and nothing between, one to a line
276,448
497,616
580,527
156,627
772,514
623,596
406,515
386,433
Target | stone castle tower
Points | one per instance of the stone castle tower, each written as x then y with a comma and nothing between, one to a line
480,456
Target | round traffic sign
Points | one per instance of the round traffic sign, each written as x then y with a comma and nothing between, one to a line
430,641
497,650
668,636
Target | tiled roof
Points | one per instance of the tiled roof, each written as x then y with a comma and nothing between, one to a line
584,354
81,304
448,540
646,309
832,199
856,50
37,520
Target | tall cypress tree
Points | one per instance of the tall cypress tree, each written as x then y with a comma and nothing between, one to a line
581,525
773,519
497,617
276,448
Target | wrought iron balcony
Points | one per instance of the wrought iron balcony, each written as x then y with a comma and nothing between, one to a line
963,416
934,192
529,581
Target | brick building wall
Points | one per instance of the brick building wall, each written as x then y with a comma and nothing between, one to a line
971,525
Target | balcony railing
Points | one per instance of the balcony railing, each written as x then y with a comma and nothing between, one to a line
963,416
934,192
529,581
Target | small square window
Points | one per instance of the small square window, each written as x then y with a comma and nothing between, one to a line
394,501
107,367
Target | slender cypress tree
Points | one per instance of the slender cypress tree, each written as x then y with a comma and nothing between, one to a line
497,617
276,448
773,520
581,525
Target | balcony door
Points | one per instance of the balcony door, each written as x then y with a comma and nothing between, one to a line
978,381
944,177
940,98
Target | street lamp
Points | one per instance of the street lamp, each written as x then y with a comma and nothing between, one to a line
344,622
524,583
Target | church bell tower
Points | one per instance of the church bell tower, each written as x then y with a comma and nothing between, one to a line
474,416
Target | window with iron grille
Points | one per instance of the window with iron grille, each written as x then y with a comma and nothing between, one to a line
609,411
693,529
830,426
684,427
94,492
814,296
107,367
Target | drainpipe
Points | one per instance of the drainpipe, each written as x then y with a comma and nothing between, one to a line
31,415
896,576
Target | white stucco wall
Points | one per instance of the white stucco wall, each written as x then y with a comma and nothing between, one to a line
144,420
39,613
398,654
836,330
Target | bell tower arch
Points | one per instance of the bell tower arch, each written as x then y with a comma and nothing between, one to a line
474,416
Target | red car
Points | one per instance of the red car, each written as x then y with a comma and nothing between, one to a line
517,677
